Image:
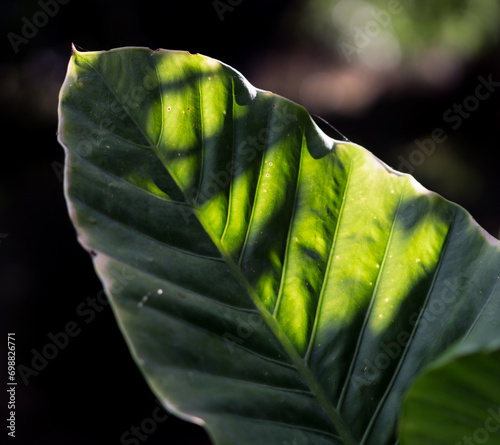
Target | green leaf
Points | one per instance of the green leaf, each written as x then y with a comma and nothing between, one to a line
456,401
274,285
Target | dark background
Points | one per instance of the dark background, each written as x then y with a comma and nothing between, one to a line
92,392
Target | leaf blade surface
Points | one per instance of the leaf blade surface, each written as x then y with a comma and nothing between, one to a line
265,276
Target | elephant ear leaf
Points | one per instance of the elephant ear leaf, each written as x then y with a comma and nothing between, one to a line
273,285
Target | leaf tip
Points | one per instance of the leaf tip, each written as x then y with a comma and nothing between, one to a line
74,50
77,50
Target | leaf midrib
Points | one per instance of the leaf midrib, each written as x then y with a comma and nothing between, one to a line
302,369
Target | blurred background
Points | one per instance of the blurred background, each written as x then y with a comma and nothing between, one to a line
416,83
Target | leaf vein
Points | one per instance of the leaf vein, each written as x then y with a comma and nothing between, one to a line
143,235
412,335
372,302
257,188
108,174
290,226
203,154
291,426
204,329
328,265
233,155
